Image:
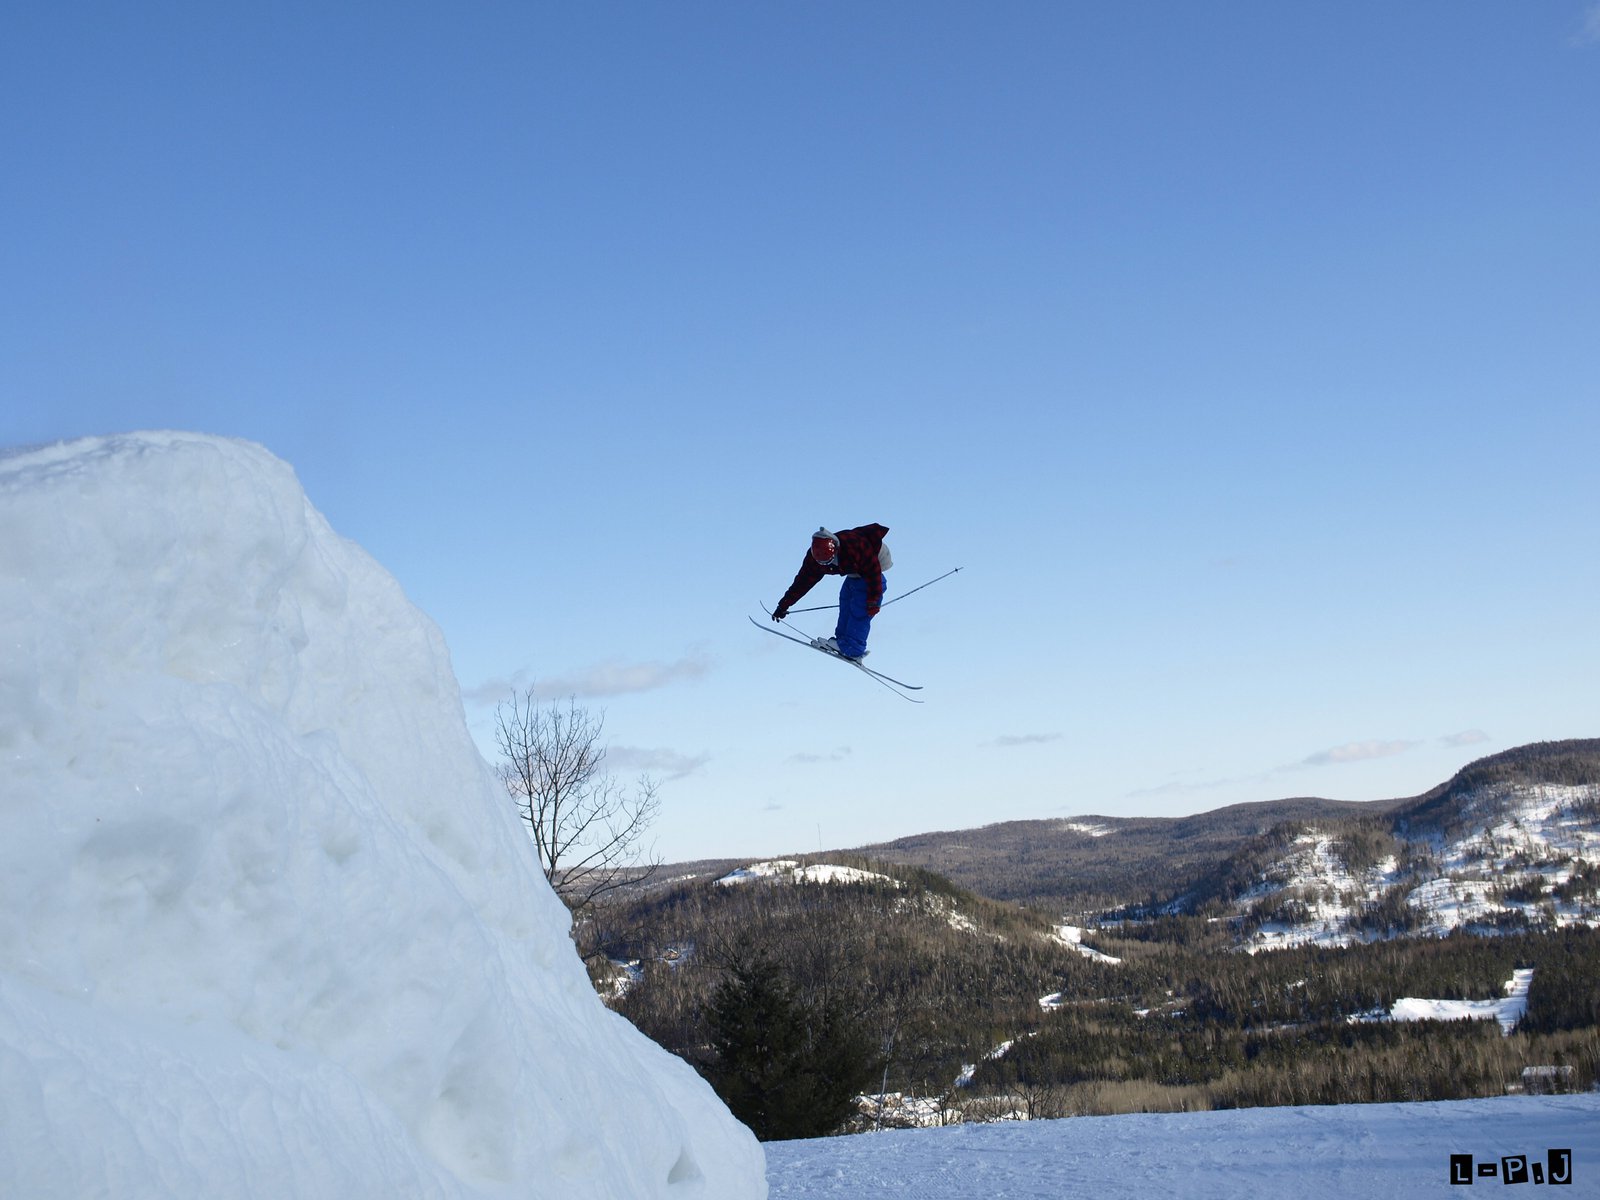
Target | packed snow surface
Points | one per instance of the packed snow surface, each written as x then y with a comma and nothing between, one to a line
1343,1152
268,926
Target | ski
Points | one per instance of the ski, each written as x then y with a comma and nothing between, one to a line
804,641
888,681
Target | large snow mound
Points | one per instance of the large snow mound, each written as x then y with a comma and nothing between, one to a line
268,925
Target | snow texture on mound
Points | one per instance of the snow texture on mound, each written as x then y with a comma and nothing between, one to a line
268,926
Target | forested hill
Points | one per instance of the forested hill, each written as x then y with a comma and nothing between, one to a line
1573,763
1511,843
900,998
1118,985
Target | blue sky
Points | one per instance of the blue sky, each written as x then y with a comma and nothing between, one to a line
1244,355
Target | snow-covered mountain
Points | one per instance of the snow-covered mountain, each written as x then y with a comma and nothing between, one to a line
1529,813
1503,855
267,926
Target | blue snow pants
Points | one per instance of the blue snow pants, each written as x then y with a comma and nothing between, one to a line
854,624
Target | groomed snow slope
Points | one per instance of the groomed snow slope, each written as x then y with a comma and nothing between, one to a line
268,926
1341,1152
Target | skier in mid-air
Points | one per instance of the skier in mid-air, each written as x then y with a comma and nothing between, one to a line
861,557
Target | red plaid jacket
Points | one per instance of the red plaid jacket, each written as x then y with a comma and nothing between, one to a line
858,555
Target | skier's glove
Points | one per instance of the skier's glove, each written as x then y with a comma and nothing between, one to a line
780,614
872,611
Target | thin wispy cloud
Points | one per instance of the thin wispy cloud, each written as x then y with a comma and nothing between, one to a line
1354,752
1589,32
621,679
492,691
839,755
1178,787
1025,739
1349,752
665,764
612,678
1336,756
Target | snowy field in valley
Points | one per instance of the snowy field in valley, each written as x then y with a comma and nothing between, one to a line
1507,1011
1345,1152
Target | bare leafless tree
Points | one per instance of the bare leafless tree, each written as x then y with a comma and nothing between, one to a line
588,828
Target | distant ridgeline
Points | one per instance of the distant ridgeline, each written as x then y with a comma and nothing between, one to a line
1530,812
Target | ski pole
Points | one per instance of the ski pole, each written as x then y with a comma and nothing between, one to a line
886,603
920,586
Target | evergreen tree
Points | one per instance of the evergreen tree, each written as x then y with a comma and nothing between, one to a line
786,1066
